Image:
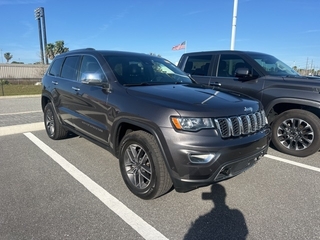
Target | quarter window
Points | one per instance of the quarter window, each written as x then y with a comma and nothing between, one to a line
56,67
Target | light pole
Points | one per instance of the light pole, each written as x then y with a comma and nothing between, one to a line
38,15
44,35
234,24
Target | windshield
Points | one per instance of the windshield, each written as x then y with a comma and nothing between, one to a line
145,70
272,65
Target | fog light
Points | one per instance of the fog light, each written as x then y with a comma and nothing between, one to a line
202,158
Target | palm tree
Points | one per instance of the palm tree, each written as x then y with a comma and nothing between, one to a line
7,56
50,51
54,49
59,48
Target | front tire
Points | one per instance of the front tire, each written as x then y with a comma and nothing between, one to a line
142,166
53,127
296,132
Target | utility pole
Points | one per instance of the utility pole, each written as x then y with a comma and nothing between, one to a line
307,67
234,24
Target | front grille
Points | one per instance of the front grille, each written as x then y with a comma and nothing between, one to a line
241,125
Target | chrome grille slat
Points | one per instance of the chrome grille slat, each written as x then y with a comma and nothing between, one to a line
235,126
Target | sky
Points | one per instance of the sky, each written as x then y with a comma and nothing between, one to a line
287,29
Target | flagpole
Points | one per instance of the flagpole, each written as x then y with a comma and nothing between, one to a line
234,24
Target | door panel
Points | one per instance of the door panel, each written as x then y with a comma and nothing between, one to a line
65,88
225,76
90,111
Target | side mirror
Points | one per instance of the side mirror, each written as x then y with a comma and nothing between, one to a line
91,78
96,79
242,73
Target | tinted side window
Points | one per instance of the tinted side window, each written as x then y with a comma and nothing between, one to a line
90,65
56,67
198,65
228,64
70,68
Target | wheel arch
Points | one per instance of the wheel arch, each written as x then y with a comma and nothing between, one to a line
125,125
45,99
281,105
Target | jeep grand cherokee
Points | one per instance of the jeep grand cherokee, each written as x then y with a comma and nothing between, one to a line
164,129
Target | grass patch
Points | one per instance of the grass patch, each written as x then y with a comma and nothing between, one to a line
19,89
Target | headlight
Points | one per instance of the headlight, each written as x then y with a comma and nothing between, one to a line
191,124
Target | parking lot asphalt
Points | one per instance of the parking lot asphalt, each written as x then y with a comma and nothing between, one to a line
277,199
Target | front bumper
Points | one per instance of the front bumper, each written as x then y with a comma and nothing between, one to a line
232,157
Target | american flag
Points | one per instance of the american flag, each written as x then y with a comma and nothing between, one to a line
180,46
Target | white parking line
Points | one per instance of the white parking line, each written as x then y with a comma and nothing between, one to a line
14,129
136,222
293,163
16,113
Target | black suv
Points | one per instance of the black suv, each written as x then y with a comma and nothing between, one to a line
164,129
291,101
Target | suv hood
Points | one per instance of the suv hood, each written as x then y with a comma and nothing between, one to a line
183,97
304,79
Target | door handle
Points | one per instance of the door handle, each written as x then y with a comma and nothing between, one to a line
54,82
75,88
216,84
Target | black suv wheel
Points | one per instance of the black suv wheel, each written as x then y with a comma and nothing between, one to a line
296,132
53,127
142,166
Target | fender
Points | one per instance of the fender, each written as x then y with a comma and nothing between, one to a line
151,128
47,95
303,102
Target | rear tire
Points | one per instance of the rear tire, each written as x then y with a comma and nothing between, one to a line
296,132
53,127
142,166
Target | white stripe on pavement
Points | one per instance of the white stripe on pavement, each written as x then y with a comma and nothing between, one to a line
16,113
14,129
293,163
136,222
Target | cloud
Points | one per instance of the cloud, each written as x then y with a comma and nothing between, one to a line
312,31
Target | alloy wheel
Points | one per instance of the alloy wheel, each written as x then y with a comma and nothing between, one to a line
138,166
50,122
295,133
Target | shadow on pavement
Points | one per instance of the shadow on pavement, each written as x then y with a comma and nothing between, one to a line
221,222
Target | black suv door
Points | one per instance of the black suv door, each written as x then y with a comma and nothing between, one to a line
65,86
200,67
226,66
90,112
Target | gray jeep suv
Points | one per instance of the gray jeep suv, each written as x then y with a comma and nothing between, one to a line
164,129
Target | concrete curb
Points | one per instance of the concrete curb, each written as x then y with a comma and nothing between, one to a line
20,96
9,130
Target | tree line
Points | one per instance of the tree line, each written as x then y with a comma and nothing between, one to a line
51,50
